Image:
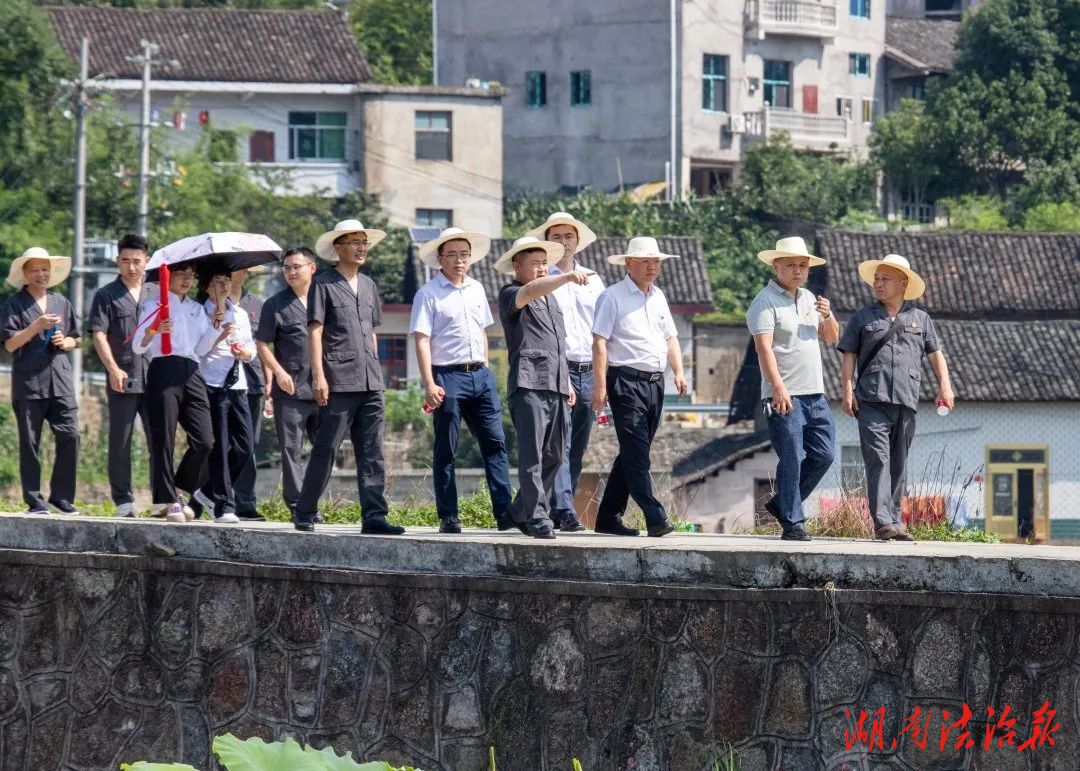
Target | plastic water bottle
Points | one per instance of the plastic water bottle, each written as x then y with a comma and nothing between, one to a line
604,419
942,409
268,408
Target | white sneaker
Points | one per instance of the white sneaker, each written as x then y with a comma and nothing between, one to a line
189,513
228,518
175,513
125,510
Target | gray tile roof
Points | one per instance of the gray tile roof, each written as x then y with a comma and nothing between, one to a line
968,275
924,44
685,280
217,44
715,455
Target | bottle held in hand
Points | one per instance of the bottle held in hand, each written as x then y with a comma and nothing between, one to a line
268,408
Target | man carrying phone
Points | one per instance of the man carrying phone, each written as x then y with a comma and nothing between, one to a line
111,323
786,322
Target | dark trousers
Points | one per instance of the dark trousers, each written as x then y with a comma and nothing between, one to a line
474,397
803,440
176,395
579,425
293,420
123,409
62,415
636,406
231,423
885,434
361,414
541,420
244,482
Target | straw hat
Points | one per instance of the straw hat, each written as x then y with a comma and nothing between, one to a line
505,263
324,246
640,247
584,232
915,285
789,247
61,267
479,245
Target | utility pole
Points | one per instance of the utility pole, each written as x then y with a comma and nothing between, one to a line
78,292
146,59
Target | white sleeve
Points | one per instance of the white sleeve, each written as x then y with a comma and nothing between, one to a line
605,315
423,313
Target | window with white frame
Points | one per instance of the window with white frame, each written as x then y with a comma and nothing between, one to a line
434,137
777,83
845,107
435,218
317,136
860,9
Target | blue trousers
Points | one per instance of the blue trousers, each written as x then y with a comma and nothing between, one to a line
803,440
580,421
474,397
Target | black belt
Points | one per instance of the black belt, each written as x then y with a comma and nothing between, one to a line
638,374
472,366
579,366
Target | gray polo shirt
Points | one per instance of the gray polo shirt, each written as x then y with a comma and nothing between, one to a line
794,326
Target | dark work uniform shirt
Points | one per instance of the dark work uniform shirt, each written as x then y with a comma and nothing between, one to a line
350,361
895,374
536,342
40,370
283,326
253,305
115,312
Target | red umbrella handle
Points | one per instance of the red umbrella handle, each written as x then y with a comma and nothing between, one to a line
163,314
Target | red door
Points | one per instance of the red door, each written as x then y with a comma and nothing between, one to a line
809,99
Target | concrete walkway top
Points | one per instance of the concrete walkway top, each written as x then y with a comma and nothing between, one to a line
691,563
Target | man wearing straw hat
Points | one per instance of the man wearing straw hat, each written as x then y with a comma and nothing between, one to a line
634,340
39,328
884,344
538,383
343,310
449,316
786,322
578,303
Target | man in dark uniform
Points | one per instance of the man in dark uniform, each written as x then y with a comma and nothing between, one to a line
885,342
39,328
343,311
284,326
113,315
244,484
538,383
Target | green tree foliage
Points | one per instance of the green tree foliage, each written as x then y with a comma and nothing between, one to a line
396,38
899,148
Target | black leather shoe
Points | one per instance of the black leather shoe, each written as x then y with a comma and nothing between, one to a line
663,528
797,533
614,527
572,524
63,507
250,516
380,526
545,532
773,507
449,525
304,526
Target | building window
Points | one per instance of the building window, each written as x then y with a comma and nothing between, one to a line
261,147
859,65
581,88
860,8
535,89
844,107
316,136
709,181
777,83
435,218
714,83
393,361
915,89
868,111
433,136
950,7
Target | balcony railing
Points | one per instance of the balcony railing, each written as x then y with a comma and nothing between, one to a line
799,125
808,18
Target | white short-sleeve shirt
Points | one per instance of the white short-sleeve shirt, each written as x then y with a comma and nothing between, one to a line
454,317
793,321
578,304
637,326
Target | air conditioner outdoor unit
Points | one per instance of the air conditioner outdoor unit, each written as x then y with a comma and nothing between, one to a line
737,123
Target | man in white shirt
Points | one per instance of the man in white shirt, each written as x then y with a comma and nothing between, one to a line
176,391
634,339
578,305
449,316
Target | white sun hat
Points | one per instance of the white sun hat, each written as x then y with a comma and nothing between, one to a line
915,286
324,246
789,247
505,263
640,247
584,232
479,245
61,267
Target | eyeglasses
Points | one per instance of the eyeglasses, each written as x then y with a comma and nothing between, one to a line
295,266
456,256
351,243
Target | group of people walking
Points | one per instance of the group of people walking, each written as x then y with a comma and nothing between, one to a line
575,347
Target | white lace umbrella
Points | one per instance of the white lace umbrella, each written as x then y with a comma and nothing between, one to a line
236,251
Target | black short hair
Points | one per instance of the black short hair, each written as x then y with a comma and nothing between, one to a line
456,238
292,250
524,252
133,241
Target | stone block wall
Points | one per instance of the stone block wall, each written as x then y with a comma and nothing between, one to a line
107,661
